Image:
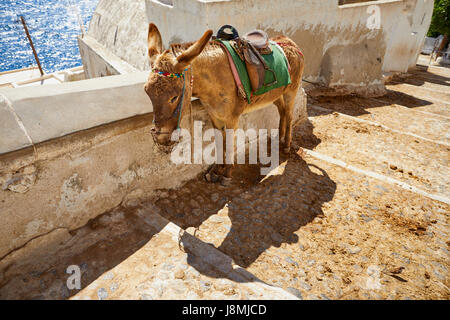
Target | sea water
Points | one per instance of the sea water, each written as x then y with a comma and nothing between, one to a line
54,26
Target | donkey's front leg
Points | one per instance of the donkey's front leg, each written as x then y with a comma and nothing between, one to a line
225,169
229,144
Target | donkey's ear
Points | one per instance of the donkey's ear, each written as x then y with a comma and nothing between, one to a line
154,42
194,50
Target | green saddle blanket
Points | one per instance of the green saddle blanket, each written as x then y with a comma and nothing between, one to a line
276,61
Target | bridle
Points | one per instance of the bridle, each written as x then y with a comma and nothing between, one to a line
179,109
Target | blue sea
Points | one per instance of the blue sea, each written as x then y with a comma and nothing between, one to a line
54,26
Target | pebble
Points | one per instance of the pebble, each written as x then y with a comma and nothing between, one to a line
380,187
366,218
214,197
146,296
301,273
194,204
289,260
179,274
439,275
205,286
311,263
295,292
168,266
373,270
102,293
83,266
276,237
64,292
108,276
357,268
305,286
353,249
163,194
114,287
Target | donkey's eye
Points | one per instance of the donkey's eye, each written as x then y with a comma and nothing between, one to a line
173,99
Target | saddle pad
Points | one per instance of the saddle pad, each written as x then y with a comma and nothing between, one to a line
276,61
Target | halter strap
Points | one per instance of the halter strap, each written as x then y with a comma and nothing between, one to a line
179,108
169,74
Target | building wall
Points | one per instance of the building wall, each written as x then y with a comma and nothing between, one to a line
116,41
340,50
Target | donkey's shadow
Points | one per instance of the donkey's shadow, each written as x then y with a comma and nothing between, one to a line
279,206
263,213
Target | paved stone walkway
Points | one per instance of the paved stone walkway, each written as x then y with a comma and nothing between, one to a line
358,210
325,231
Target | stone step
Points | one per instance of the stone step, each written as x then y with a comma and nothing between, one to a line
439,84
381,150
176,265
437,96
402,119
322,230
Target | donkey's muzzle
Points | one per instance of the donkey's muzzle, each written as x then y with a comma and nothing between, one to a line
161,137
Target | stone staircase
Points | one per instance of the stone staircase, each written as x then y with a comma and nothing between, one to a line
359,210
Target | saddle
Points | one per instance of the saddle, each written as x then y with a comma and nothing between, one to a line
250,47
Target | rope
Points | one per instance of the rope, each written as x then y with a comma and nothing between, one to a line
190,113
181,102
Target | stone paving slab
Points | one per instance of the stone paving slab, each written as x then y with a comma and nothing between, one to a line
437,72
426,81
408,120
431,95
415,103
439,109
175,265
322,231
419,163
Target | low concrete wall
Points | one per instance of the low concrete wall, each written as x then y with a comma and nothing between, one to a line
76,150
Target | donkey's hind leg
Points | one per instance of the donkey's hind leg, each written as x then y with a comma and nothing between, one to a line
285,106
282,111
289,102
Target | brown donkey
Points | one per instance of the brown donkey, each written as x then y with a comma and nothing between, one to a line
201,69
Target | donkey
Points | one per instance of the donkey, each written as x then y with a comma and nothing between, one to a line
201,69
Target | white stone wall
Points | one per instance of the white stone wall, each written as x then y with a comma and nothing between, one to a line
340,50
116,41
329,35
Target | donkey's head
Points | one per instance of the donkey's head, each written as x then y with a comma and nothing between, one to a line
169,83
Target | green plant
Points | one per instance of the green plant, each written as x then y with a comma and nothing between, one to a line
440,22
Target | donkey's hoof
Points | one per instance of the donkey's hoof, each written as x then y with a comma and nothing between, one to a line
225,181
286,150
211,177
